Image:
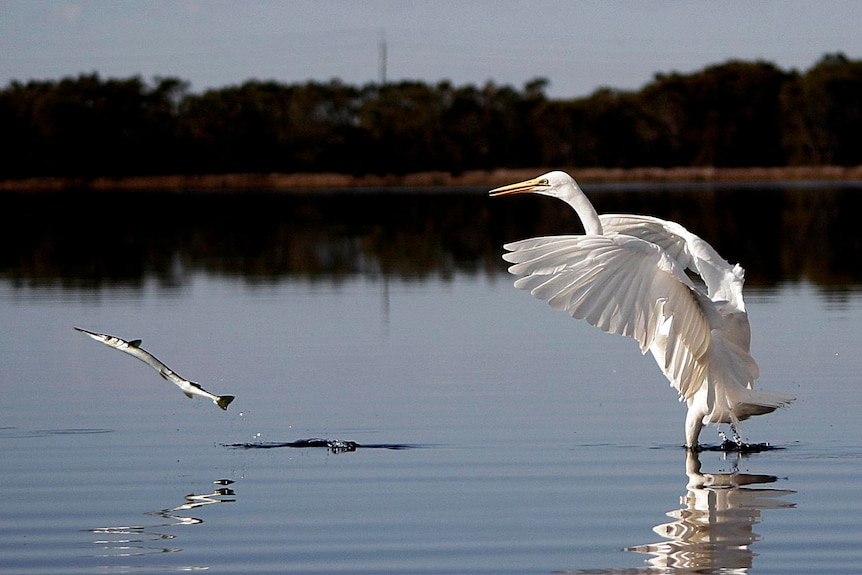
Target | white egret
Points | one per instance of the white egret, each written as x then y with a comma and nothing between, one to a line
133,348
627,276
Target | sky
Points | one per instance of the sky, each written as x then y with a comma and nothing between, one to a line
578,46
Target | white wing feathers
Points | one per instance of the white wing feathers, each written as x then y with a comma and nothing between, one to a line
723,281
627,286
665,234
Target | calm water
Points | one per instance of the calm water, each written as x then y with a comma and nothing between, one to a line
497,436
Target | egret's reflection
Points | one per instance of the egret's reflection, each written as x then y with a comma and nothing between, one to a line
714,530
136,540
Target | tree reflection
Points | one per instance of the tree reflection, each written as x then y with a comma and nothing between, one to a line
102,239
714,530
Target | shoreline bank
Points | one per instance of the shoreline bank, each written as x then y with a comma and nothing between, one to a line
309,181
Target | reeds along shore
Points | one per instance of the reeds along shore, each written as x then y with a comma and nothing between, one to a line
304,181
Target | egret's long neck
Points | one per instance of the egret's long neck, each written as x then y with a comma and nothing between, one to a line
576,198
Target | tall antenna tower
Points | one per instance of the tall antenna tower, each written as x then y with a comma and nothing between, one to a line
382,59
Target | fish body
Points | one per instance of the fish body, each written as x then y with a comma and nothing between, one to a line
133,348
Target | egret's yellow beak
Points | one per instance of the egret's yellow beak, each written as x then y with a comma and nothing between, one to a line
524,187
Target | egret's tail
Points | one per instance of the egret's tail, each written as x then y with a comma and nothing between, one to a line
758,402
224,400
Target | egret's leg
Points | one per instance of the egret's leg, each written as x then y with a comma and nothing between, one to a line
693,425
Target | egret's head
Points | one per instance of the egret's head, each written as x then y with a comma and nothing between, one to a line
562,186
555,184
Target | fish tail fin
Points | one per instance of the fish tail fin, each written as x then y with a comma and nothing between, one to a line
224,400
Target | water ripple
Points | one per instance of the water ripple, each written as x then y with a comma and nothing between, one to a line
333,445
16,433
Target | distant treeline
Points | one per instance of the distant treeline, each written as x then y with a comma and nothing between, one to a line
733,114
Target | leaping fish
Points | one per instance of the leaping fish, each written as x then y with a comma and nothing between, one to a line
133,348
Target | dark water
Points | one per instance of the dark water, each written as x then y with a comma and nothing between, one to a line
400,407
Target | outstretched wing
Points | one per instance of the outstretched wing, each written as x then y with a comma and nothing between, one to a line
723,281
627,286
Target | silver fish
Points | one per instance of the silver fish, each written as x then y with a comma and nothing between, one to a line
133,348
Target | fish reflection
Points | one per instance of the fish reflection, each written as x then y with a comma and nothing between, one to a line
714,531
137,540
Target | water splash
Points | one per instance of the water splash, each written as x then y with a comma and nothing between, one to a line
333,445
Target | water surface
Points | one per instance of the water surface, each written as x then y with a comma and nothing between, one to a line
490,434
